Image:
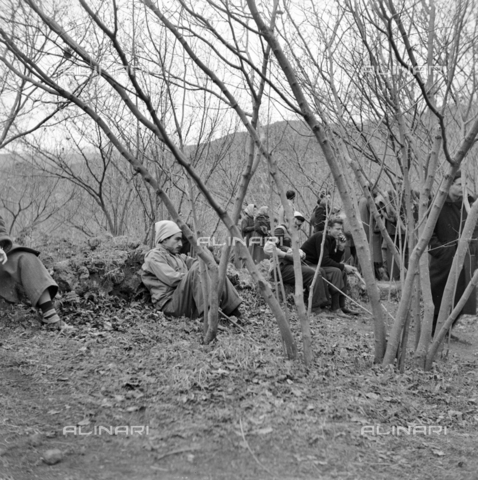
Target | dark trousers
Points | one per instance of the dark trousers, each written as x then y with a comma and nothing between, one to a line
320,294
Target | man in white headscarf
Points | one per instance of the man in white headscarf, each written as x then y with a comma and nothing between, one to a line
173,278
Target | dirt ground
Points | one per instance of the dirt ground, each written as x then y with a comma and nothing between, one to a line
236,409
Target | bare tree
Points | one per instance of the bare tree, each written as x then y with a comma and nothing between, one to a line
136,93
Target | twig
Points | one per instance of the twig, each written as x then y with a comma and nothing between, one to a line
238,326
231,320
178,450
345,295
252,453
353,301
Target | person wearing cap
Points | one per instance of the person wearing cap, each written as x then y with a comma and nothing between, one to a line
333,252
290,195
173,278
281,243
22,270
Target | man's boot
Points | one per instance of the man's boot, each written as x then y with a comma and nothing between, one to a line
335,302
344,309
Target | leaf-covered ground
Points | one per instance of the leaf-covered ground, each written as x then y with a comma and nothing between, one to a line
236,409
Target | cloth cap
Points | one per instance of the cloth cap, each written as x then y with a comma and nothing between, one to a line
290,194
165,229
299,216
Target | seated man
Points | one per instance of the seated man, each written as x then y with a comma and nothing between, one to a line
173,278
282,244
335,271
21,269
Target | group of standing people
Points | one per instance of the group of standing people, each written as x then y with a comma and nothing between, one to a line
256,226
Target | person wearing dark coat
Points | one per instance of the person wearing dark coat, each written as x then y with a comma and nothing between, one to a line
247,222
280,246
442,248
22,271
333,253
262,226
320,213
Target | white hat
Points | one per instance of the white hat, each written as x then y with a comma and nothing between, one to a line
165,229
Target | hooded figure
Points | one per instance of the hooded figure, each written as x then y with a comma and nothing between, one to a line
173,278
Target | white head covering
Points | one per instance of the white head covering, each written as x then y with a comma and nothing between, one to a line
165,229
249,210
299,216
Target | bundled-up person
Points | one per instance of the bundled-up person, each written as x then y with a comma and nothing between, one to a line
173,278
443,246
320,213
247,222
22,270
280,246
333,253
262,227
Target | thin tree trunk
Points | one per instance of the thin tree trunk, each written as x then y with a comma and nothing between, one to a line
428,174
449,321
357,229
457,265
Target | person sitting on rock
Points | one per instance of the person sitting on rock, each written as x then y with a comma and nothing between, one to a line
280,245
332,256
22,271
173,278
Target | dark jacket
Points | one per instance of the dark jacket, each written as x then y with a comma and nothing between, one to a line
262,226
319,217
332,255
442,249
247,227
7,244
